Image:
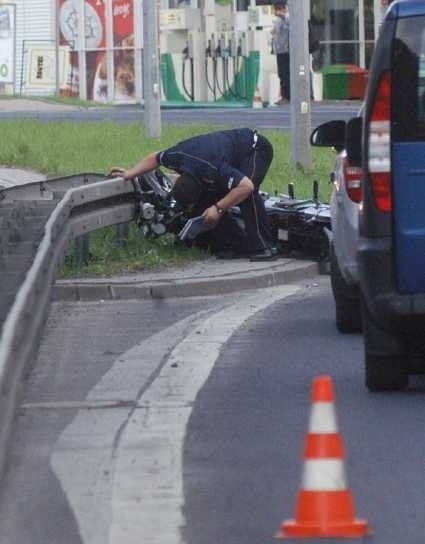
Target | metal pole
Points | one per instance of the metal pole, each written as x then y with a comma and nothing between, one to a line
123,231
300,84
362,36
138,50
151,81
56,47
109,53
81,45
82,249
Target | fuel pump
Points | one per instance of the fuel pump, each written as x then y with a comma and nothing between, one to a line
188,60
232,51
235,53
230,66
208,53
182,55
211,60
215,56
225,69
223,55
242,57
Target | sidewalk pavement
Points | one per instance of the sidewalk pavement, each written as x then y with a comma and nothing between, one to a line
208,277
202,278
28,104
16,176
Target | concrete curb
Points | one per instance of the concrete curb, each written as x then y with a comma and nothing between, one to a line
214,285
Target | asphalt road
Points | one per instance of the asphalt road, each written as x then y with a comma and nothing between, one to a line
266,118
183,420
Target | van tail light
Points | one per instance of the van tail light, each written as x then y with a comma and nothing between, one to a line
353,181
380,144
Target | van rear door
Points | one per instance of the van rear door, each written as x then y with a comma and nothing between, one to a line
408,153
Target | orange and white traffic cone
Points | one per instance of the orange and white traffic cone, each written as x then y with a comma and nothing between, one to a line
258,101
325,506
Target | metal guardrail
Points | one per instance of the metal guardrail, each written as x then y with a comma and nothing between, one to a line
89,205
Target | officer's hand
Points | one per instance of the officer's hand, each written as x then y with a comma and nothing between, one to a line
211,215
117,171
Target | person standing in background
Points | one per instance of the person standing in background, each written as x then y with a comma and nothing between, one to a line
280,48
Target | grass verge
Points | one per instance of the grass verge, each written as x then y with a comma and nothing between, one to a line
107,257
62,148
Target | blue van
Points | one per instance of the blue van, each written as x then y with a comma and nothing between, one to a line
391,251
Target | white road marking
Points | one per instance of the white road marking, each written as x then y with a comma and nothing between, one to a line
83,458
121,469
75,405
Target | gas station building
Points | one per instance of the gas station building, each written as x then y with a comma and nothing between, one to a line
211,51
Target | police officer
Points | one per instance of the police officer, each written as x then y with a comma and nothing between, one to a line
220,170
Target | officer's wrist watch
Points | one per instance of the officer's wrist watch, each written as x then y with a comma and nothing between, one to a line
219,209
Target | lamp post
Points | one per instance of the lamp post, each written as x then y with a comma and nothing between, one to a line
151,75
300,84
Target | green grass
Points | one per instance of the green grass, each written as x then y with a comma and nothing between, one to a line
138,254
62,148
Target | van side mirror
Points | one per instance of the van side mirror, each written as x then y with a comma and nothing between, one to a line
330,134
354,141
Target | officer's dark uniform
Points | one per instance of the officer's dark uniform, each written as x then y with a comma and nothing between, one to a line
220,160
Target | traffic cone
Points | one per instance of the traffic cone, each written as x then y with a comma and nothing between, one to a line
258,101
325,506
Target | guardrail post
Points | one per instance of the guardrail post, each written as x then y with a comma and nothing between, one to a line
122,234
82,247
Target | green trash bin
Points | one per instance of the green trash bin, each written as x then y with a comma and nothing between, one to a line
335,82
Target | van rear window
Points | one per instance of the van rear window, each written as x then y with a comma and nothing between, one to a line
408,80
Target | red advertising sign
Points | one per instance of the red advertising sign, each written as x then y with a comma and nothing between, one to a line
94,43
123,21
123,24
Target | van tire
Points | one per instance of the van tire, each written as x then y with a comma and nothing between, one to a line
385,357
348,315
385,373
